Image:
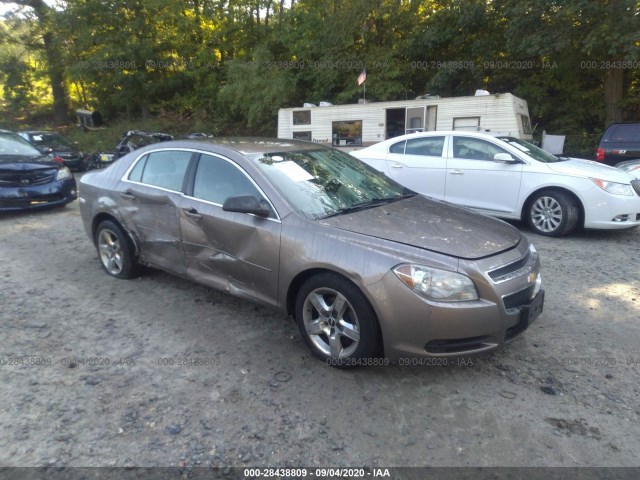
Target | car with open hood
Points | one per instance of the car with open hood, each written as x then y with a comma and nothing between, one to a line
369,269
30,180
510,178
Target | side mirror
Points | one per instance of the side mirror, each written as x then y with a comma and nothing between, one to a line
504,158
246,204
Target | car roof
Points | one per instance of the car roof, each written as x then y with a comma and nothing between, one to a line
248,145
440,133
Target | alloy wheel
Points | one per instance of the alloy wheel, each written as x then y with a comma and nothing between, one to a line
331,323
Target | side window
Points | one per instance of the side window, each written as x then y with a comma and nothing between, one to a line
474,148
430,146
136,173
397,147
165,169
217,179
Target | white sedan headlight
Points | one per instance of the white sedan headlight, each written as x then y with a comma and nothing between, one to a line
435,284
63,174
614,188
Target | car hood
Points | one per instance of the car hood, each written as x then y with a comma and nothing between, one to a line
17,163
578,167
432,225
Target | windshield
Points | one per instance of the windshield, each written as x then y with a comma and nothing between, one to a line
534,152
324,182
50,140
14,145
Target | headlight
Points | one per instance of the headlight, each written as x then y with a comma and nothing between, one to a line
435,284
63,173
614,187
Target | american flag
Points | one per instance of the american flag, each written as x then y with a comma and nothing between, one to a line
362,77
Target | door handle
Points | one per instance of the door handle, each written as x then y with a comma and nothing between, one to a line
456,172
192,213
128,195
397,165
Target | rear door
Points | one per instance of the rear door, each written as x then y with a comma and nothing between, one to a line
231,251
475,180
418,163
149,199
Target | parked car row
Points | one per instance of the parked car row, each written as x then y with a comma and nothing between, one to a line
340,244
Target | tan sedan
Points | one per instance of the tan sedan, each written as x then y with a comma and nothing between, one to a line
368,268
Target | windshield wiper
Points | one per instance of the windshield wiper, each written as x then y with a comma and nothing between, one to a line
374,202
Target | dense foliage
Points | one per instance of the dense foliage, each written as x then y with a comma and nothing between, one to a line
227,66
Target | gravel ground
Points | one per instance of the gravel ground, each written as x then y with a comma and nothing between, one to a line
158,371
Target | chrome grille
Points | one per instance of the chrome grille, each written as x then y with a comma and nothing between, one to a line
27,178
636,185
520,267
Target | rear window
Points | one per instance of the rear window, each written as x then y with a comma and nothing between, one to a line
624,133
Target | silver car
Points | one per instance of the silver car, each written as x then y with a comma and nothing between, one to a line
368,268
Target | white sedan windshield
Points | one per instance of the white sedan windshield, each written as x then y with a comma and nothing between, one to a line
534,152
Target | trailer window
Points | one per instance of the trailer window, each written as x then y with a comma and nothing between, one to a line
306,136
525,123
302,117
470,124
347,133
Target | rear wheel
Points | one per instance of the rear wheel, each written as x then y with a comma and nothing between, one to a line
336,321
115,250
552,213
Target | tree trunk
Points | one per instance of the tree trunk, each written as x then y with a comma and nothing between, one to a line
54,58
56,75
613,95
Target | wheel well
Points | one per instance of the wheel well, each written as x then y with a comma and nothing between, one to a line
101,217
527,203
302,277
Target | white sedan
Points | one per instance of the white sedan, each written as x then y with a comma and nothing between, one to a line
510,178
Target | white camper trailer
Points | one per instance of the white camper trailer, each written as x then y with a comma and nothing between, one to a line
363,124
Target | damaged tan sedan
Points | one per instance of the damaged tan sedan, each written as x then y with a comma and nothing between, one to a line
368,268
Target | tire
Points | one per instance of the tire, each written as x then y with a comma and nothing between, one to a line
115,251
552,213
344,338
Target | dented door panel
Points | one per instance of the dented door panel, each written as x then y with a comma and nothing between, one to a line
235,252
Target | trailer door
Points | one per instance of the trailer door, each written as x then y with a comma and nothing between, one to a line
415,120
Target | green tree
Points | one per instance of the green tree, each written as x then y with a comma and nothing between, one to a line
51,45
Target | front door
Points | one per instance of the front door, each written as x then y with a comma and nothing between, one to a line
235,252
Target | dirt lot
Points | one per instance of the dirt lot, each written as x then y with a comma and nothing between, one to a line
159,371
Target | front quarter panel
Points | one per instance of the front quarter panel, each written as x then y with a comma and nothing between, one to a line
308,245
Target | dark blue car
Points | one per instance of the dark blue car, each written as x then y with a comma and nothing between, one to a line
29,179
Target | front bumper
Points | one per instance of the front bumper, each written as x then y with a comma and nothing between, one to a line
606,211
52,194
423,328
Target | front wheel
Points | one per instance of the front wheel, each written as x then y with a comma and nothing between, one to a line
115,251
336,321
552,213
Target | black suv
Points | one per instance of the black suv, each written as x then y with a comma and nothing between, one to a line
620,142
